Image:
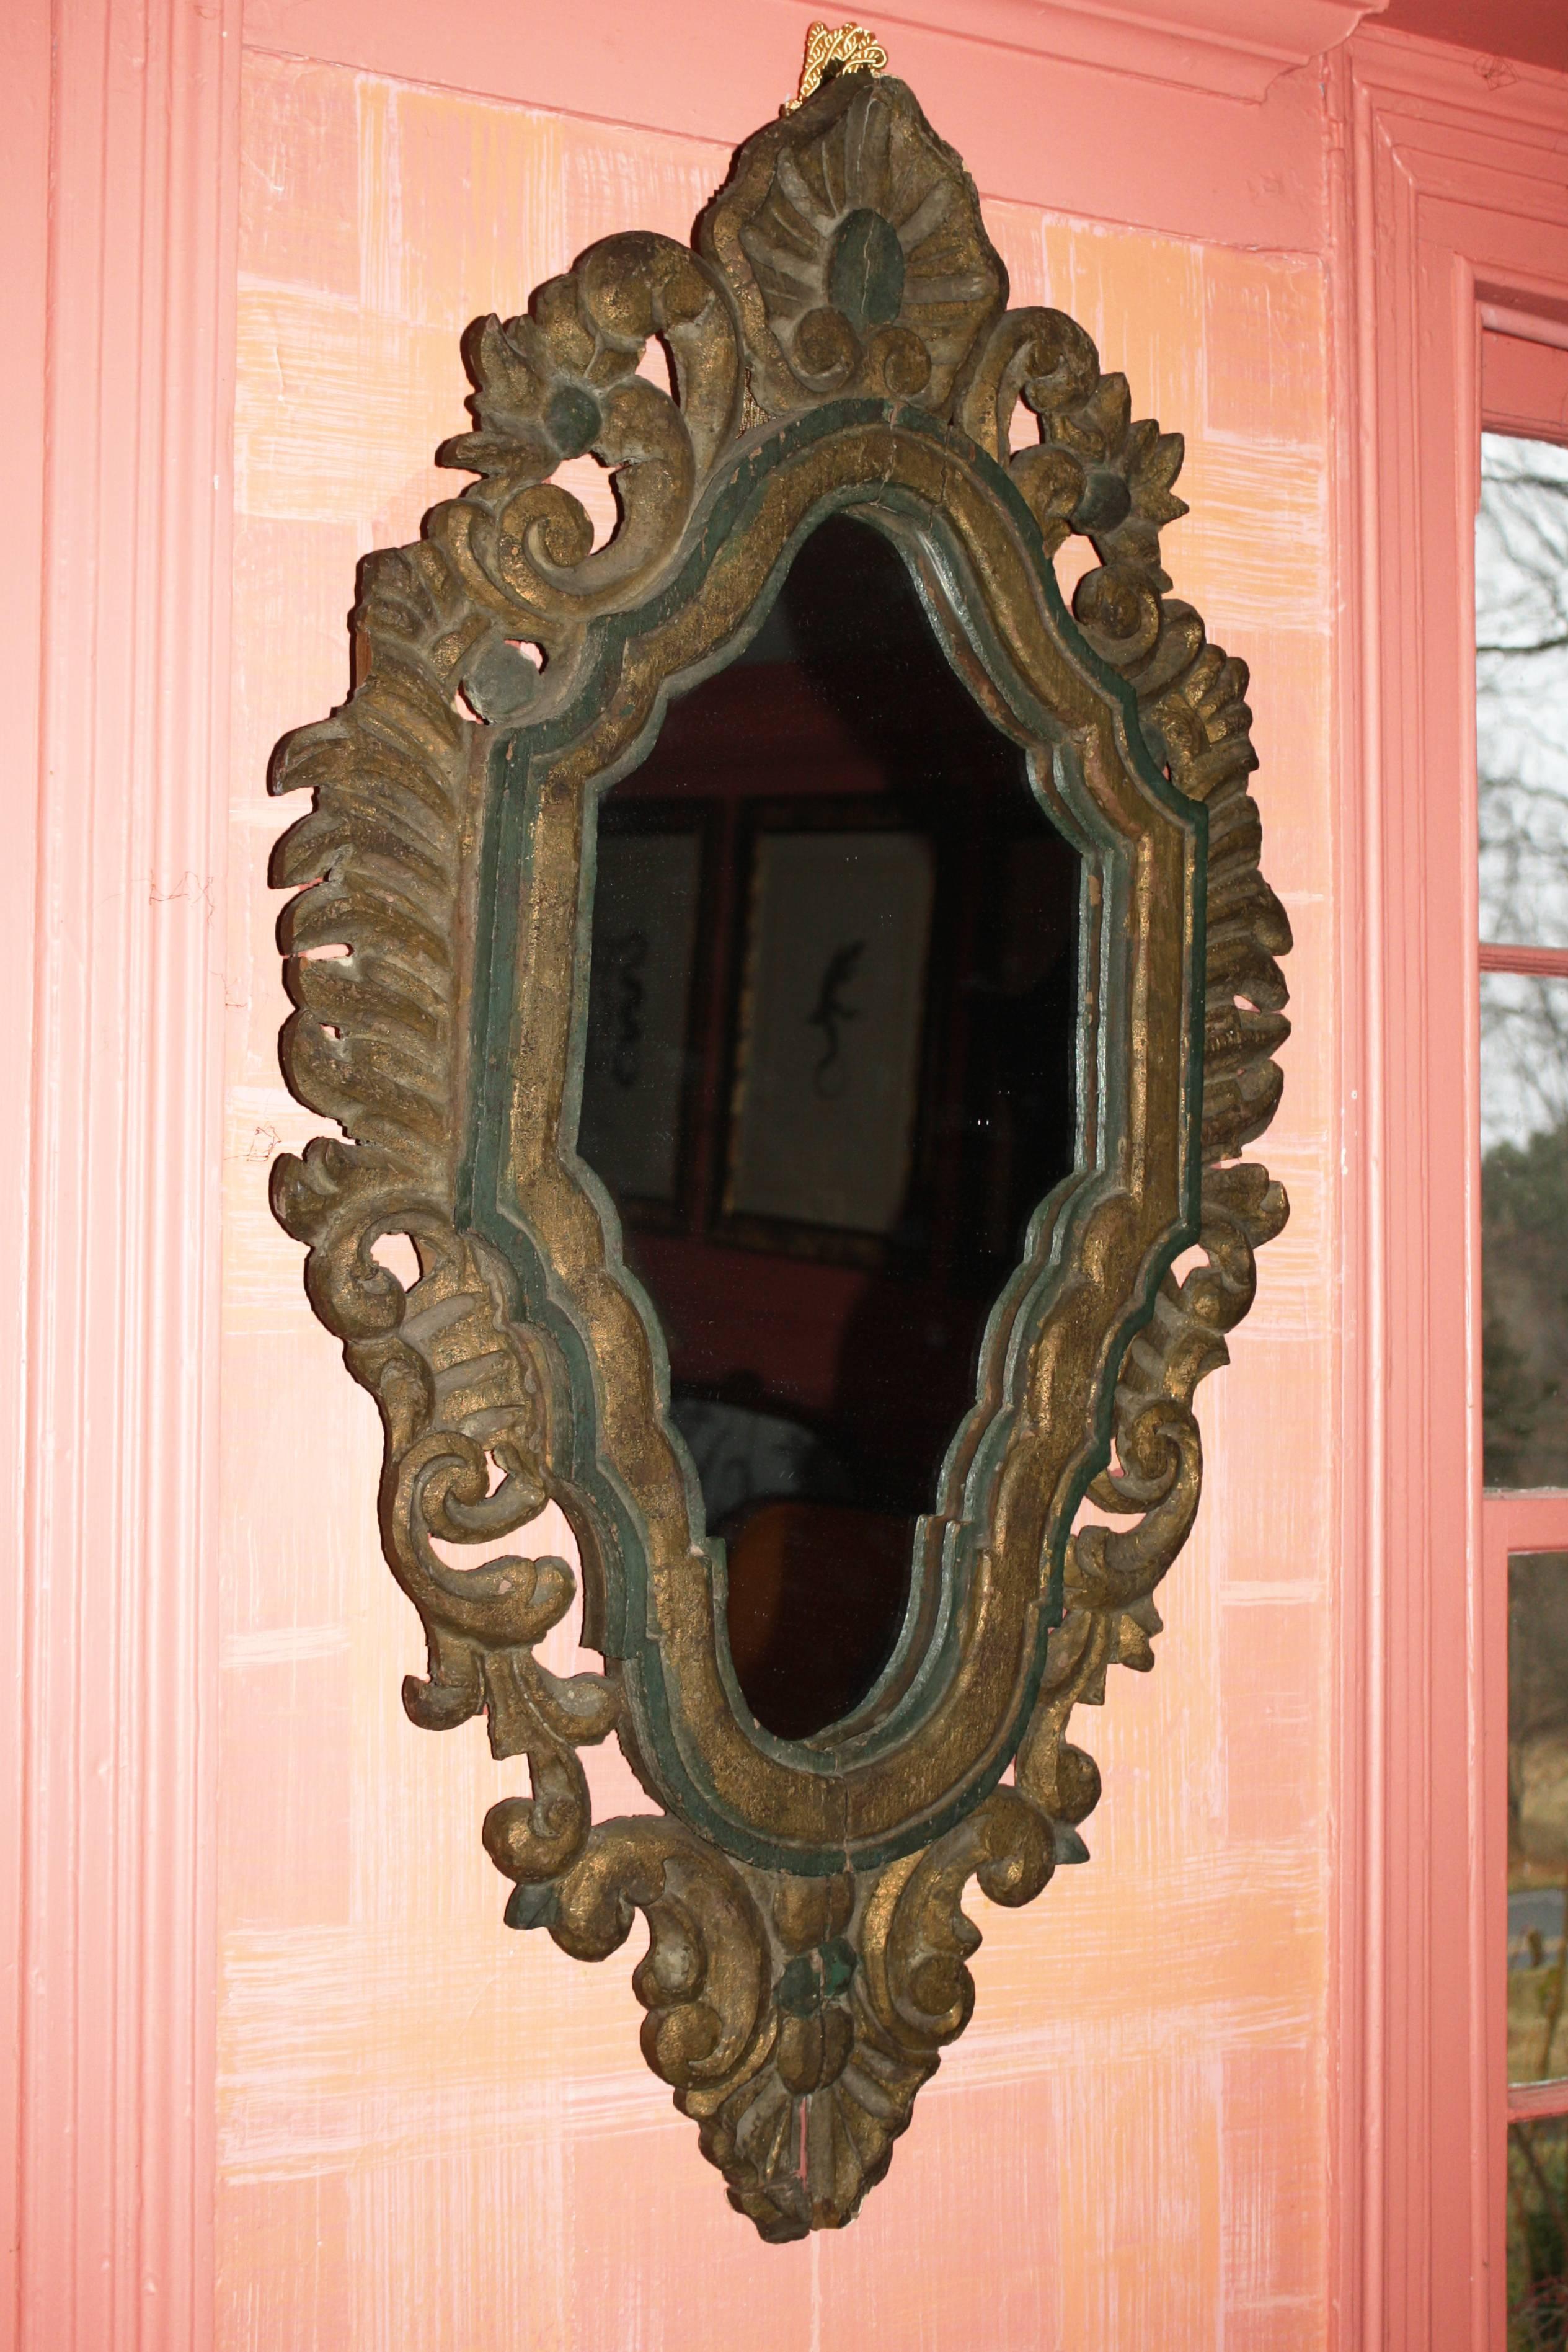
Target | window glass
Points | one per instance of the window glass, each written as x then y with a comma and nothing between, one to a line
1521,730
1537,1816
1524,1230
1538,2235
1521,689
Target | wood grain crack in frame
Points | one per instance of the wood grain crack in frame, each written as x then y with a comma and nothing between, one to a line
807,1947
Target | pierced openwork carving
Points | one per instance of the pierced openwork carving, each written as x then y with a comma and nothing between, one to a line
838,341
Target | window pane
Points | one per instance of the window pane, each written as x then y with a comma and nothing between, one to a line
1524,1231
1521,690
1537,2230
1537,1816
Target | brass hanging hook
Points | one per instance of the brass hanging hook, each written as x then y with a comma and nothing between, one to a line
833,49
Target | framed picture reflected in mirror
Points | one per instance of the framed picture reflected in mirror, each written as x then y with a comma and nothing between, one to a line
636,1070
832,1025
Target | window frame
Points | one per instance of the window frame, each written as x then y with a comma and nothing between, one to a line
1528,402
1451,216
1523,393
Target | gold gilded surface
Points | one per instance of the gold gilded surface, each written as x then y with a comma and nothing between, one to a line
807,1947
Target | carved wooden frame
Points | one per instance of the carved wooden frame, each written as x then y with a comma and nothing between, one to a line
837,339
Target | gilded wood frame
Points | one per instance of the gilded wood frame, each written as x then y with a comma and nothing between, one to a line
838,340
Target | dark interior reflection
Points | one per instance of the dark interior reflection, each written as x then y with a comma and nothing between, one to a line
830,1073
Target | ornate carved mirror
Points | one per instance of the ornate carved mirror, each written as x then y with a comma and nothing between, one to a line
800,992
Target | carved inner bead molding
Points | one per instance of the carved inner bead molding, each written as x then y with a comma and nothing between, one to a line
838,341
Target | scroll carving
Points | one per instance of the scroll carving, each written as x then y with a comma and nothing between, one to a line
795,2016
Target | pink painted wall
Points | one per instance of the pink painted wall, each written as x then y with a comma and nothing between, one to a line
439,2137
274,2076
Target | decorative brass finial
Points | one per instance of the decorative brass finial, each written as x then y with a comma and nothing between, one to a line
836,48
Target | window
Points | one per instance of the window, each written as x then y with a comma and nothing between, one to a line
1521,729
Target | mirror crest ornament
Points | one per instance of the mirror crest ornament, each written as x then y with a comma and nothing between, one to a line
838,342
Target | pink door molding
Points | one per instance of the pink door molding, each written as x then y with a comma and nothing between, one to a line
119,259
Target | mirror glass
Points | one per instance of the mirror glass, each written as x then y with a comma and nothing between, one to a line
830,1074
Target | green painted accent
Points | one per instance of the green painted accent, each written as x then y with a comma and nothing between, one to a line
800,1990
533,1906
840,1961
865,278
605,1510
572,420
812,1979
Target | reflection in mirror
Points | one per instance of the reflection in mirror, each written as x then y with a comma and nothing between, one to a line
830,1073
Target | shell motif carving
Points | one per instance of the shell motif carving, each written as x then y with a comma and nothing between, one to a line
854,241
795,2017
